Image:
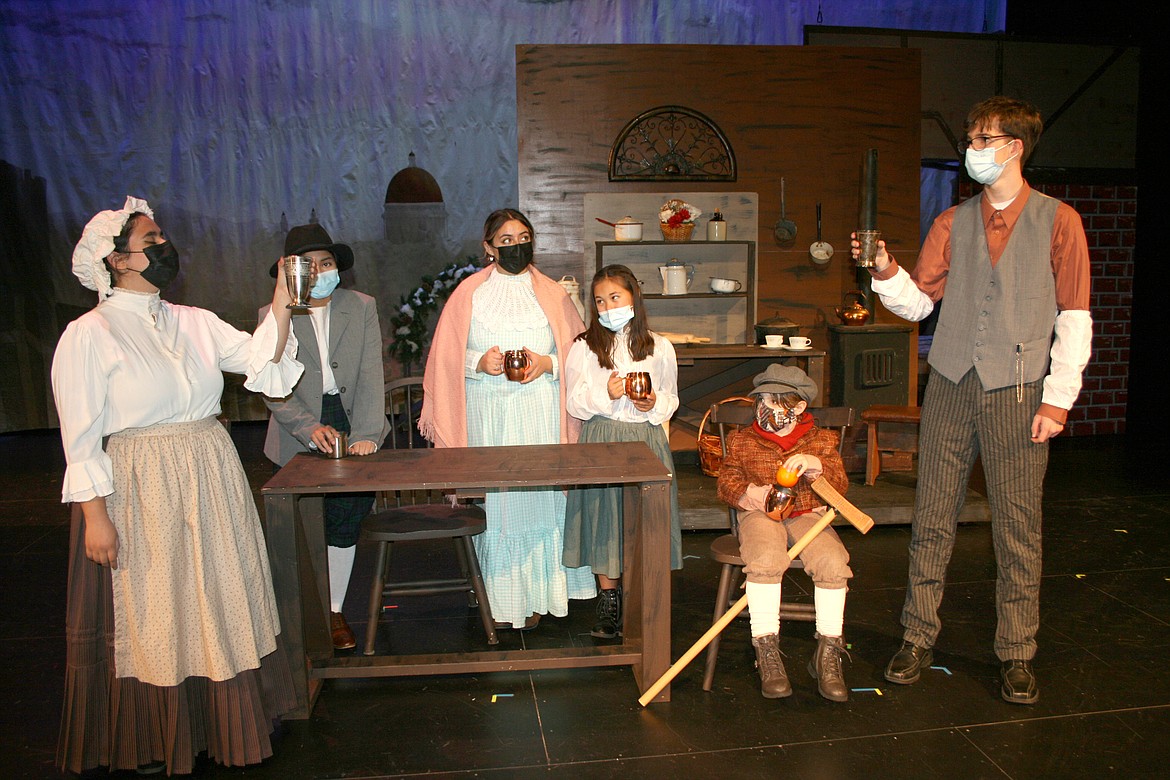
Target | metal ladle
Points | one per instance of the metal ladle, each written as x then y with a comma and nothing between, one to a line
785,229
820,251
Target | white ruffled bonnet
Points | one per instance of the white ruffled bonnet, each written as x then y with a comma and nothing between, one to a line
97,241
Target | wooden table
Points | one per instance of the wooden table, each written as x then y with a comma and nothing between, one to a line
711,372
296,547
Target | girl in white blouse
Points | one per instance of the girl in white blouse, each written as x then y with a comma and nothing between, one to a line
618,341
171,628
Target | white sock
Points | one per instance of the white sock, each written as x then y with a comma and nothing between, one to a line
340,567
830,606
764,603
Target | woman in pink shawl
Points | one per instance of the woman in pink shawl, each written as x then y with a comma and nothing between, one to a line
470,402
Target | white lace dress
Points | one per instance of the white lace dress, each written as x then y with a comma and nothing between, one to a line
520,552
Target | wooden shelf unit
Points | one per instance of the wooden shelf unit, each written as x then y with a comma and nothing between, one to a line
725,318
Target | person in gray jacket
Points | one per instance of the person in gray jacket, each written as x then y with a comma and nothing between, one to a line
341,391
1012,342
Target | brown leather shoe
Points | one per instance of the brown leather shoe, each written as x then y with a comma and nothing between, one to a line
773,678
825,667
343,638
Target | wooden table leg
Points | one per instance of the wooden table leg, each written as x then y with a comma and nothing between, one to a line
281,536
650,608
314,569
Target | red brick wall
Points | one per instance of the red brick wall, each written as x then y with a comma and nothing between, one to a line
1109,214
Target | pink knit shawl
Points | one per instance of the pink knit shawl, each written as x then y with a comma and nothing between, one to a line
444,413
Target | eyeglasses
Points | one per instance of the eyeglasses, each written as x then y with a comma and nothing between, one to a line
979,142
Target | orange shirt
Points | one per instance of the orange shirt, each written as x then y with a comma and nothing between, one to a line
1070,251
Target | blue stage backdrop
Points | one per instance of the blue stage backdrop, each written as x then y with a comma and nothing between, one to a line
228,116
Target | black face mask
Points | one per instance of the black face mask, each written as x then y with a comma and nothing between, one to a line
164,264
514,258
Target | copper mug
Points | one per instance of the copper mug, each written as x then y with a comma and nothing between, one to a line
778,504
515,364
638,385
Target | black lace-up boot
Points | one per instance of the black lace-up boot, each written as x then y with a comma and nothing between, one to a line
609,614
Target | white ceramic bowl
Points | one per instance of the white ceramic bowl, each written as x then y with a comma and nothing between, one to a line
721,285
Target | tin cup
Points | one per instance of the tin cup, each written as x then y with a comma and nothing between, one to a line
515,364
867,255
340,446
638,385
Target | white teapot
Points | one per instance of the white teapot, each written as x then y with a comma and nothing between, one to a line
676,277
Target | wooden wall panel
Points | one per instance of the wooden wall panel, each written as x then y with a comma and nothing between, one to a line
805,113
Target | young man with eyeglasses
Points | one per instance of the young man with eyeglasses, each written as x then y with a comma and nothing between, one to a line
1006,362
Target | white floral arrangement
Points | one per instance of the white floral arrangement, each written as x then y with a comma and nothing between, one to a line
409,323
678,212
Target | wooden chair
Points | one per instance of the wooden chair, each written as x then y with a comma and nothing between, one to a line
416,517
898,436
403,397
728,416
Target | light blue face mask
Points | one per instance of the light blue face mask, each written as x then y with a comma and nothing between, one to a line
616,319
981,164
327,282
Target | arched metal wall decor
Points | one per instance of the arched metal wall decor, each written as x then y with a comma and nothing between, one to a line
671,143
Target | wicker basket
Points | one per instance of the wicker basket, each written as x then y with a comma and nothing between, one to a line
679,232
710,450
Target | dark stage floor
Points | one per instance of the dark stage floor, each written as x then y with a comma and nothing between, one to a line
1105,694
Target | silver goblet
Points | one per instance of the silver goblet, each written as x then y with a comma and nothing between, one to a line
300,274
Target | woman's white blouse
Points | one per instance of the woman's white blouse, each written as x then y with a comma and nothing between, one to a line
135,360
587,393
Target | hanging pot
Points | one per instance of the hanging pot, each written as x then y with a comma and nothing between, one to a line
820,251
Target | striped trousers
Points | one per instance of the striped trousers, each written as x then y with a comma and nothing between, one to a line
960,422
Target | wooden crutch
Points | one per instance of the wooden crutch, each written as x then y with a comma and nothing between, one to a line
837,504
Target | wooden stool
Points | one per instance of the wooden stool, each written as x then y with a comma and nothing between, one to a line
900,435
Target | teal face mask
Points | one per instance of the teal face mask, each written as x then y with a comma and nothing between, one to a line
981,164
327,282
616,319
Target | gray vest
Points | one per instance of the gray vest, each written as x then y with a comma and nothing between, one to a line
999,320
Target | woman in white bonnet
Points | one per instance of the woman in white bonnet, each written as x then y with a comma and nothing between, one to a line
171,627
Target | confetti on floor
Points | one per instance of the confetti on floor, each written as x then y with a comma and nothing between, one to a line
942,669
500,696
878,691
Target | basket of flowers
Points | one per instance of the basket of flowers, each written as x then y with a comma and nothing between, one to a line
677,220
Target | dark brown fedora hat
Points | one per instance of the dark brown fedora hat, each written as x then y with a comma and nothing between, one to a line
313,237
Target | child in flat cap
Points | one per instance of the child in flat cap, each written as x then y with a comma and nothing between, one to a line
784,434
